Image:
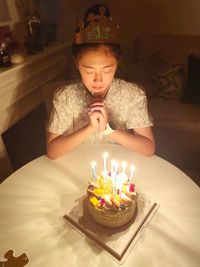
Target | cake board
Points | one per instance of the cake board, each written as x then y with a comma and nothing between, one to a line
118,242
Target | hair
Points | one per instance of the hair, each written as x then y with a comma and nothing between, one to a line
78,50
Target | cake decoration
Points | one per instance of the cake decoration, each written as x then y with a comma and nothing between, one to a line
111,195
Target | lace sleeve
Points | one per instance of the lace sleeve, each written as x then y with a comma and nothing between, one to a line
61,118
138,115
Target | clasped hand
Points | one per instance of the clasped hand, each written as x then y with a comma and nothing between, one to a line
98,114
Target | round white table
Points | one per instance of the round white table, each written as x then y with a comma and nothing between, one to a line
33,200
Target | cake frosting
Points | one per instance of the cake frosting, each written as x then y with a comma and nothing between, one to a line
110,204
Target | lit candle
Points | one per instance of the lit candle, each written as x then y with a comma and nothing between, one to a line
131,176
120,182
105,156
93,169
124,167
112,167
116,166
120,191
112,174
104,176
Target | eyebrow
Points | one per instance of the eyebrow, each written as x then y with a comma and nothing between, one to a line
85,66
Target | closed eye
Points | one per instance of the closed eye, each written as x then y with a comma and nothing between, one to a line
89,71
107,70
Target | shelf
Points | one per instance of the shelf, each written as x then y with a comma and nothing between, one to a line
23,79
20,89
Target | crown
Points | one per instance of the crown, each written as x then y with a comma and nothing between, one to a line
97,29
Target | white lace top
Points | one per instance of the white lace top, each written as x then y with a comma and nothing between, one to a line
125,101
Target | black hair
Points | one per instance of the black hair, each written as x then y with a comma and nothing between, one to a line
79,49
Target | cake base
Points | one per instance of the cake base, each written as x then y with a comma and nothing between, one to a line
117,242
110,218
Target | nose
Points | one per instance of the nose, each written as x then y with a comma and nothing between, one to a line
98,77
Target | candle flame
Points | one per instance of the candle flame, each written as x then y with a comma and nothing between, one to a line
93,164
105,155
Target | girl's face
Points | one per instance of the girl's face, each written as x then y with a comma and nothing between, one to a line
97,69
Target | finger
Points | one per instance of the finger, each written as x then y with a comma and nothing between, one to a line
102,123
97,101
103,119
94,108
96,105
100,110
94,112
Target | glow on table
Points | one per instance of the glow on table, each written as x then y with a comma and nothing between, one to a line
33,199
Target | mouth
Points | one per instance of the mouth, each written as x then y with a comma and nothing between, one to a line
97,87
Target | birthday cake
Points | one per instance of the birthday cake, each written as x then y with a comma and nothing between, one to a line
111,199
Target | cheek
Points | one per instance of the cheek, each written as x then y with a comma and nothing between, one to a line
109,77
84,77
87,80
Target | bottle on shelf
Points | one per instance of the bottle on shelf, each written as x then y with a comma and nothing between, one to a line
5,60
33,42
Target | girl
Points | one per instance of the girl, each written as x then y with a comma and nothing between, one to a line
100,108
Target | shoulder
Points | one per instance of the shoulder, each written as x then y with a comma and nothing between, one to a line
133,90
67,90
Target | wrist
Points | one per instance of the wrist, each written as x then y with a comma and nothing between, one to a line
91,128
110,128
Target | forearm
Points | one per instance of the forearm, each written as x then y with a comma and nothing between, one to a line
64,144
137,143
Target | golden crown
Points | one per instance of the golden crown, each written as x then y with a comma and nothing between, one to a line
97,29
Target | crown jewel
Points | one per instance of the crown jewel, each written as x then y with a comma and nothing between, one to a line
97,29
